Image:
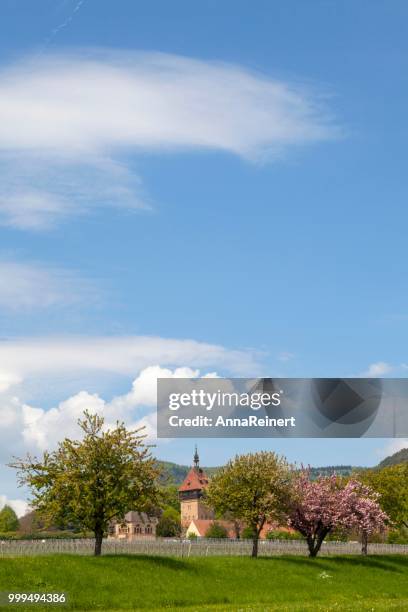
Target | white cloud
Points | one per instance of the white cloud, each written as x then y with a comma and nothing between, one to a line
68,119
27,286
42,429
31,209
378,369
8,379
29,429
19,506
48,366
38,191
117,355
144,387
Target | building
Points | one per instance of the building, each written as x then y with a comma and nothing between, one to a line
135,525
199,528
197,518
191,494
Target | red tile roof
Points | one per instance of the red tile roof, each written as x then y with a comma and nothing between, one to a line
196,480
203,526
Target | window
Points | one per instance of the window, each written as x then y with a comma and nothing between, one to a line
138,529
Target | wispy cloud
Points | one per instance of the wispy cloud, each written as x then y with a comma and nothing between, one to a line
29,286
38,191
285,356
64,24
118,355
68,122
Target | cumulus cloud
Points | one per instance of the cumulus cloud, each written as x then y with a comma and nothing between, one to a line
77,116
38,429
144,388
26,286
8,379
44,428
49,367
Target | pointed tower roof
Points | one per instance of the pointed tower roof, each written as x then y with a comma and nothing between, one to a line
196,479
196,458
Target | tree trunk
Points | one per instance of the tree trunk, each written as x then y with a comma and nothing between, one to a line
364,543
255,545
311,546
314,544
98,542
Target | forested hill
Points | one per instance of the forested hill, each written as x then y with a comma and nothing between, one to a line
399,457
175,473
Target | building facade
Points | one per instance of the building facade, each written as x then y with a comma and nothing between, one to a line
191,494
136,525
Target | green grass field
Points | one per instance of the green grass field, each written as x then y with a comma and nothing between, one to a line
224,583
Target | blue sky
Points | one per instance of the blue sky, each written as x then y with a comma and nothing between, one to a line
240,197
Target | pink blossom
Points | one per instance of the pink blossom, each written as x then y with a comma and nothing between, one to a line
323,505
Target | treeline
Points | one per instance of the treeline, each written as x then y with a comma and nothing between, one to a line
176,473
86,484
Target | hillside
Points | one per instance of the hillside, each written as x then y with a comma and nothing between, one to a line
398,457
174,473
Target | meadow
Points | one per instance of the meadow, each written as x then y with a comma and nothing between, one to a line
286,583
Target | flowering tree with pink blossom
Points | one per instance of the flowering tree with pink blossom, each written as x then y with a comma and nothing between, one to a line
318,507
364,513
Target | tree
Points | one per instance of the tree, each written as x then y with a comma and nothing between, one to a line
170,497
169,525
8,520
90,482
252,488
392,485
363,511
321,506
315,508
237,525
216,530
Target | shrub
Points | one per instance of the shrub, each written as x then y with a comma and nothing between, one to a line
247,533
398,536
216,531
169,524
44,535
276,534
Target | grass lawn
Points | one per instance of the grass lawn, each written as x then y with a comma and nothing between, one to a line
213,583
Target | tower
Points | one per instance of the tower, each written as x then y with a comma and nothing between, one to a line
191,494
